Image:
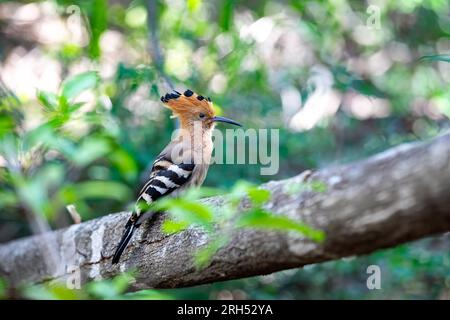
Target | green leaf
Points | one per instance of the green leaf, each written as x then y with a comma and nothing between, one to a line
42,134
54,291
262,219
79,83
75,106
3,289
173,226
149,294
7,198
437,57
197,211
226,15
49,176
6,125
318,186
239,191
69,52
46,135
33,190
48,100
367,88
103,290
193,5
186,210
112,288
258,196
63,105
90,150
125,163
98,22
98,190
38,292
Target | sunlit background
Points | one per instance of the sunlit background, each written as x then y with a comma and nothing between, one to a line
342,80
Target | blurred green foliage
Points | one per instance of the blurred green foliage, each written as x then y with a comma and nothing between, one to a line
220,223
91,141
112,289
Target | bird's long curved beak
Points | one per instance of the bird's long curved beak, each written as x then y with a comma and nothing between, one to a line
226,120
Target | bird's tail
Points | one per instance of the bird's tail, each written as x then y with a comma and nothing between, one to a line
130,227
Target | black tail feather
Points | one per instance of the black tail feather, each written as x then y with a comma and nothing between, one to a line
128,233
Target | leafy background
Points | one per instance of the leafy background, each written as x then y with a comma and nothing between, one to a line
80,119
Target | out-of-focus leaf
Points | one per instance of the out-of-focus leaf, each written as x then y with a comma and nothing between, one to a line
147,295
258,196
75,106
38,293
61,292
318,186
46,135
48,100
173,226
193,5
69,52
50,175
65,146
367,88
3,289
79,83
6,125
99,190
259,218
90,150
98,19
57,291
63,105
226,14
154,92
186,210
42,134
110,289
33,191
7,198
436,57
98,172
239,191
197,212
125,163
103,290
31,194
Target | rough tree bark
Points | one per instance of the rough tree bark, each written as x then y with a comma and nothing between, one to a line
394,197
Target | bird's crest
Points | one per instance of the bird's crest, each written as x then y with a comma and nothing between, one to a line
187,103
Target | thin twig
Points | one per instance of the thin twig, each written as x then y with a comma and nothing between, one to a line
76,217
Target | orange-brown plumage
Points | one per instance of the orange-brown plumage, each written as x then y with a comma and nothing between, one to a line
188,106
184,161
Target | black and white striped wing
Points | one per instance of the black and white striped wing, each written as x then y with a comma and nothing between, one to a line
165,178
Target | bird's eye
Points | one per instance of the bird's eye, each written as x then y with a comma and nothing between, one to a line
201,115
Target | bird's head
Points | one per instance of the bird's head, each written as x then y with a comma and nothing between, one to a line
191,107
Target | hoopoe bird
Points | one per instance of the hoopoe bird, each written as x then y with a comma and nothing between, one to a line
183,163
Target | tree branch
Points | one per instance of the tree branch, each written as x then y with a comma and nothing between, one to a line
153,43
394,197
